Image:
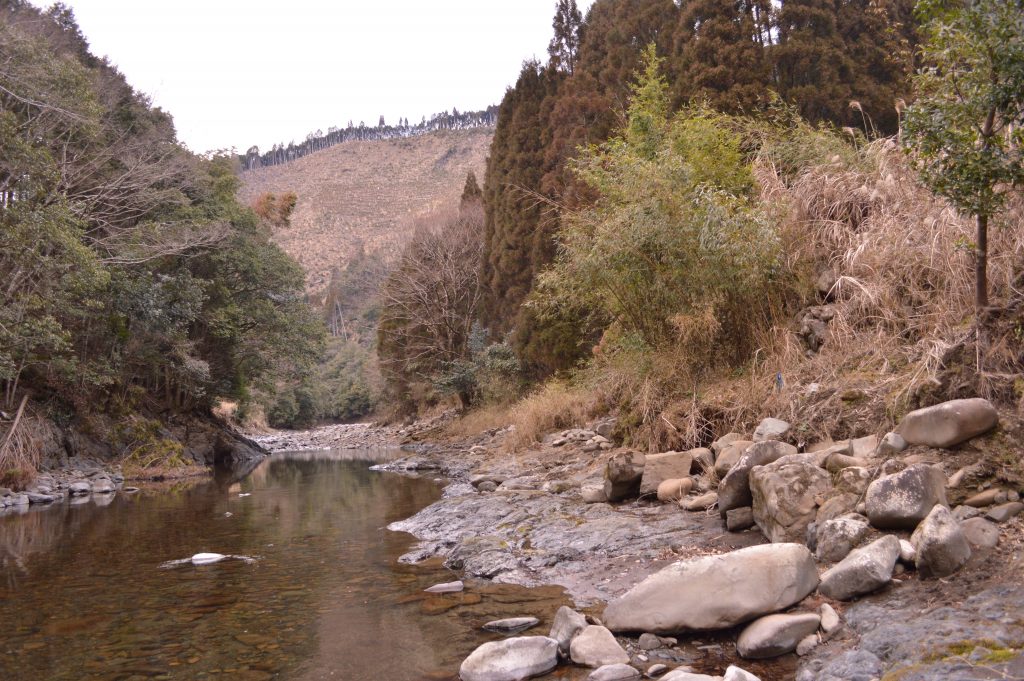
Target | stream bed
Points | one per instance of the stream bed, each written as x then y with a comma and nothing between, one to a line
83,594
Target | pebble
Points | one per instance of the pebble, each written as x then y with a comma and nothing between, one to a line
446,588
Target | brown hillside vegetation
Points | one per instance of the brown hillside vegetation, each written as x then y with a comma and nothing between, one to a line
367,193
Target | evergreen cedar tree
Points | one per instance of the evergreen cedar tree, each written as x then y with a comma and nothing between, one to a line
841,62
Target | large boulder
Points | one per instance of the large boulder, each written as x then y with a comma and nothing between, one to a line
566,625
595,647
837,537
771,429
950,423
734,490
745,584
785,498
902,500
729,455
661,467
512,659
939,544
864,570
622,475
774,635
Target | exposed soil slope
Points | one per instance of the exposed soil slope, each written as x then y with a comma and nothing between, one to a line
366,193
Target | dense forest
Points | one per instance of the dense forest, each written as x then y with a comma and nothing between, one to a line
689,205
133,281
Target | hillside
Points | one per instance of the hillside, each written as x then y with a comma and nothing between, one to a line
366,192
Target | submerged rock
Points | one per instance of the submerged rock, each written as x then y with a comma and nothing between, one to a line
746,583
512,624
446,588
512,659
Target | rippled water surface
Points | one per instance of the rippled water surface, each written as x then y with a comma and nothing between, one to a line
82,595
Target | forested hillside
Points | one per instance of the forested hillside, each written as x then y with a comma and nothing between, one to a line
135,286
694,212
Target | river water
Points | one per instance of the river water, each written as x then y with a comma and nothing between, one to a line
83,594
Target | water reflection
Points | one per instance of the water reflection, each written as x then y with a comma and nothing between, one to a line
81,595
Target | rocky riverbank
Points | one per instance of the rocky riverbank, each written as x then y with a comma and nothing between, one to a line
913,536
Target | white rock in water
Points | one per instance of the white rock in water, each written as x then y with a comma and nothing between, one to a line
207,558
511,660
446,588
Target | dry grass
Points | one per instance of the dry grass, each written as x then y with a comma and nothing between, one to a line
903,334
555,405
478,421
20,445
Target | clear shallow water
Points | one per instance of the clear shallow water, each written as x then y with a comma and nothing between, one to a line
82,595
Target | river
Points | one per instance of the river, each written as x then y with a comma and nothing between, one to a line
83,594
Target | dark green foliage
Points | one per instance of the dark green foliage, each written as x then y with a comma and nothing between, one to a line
129,268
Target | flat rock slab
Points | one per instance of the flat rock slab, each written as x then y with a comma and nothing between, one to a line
746,583
774,635
950,423
513,659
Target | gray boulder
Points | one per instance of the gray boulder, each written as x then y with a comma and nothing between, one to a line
79,488
734,490
902,500
863,571
567,624
593,493
746,584
512,659
775,635
728,457
785,498
771,429
622,475
940,545
950,423
980,533
595,646
839,536
892,443
1004,512
102,486
614,672
658,468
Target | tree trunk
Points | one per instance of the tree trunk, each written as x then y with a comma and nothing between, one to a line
981,267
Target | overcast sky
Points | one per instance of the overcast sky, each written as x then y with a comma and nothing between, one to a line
234,73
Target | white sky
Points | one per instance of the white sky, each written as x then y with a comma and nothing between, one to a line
239,72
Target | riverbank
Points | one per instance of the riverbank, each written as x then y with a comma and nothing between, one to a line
521,518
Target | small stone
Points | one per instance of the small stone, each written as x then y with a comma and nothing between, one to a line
595,646
674,489
79,488
983,499
908,554
891,443
775,635
614,672
701,503
980,533
965,512
446,588
102,486
1004,512
771,429
649,642
837,537
487,486
864,447
739,519
829,618
807,644
853,479
656,670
